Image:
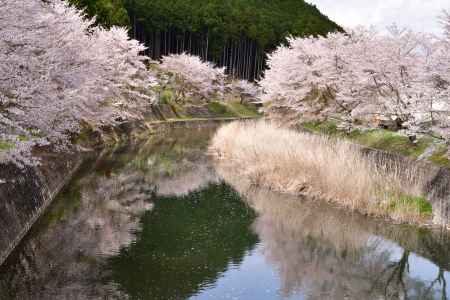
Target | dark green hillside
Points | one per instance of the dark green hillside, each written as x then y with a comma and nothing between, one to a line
232,33
107,12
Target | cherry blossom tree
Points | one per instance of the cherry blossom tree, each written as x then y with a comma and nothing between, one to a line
192,77
58,71
246,91
441,77
401,76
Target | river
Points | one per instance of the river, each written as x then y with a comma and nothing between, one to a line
159,219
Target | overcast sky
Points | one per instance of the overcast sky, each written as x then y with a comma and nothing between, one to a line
420,15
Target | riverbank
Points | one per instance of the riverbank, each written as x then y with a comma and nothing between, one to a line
427,148
26,191
372,182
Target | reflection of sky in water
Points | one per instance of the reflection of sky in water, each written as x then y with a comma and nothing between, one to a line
420,268
236,284
416,14
264,282
425,270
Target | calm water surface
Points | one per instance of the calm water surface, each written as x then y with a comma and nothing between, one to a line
160,220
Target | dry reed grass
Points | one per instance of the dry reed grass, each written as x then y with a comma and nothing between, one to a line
299,163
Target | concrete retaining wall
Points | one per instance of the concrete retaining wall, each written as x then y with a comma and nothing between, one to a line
27,192
437,180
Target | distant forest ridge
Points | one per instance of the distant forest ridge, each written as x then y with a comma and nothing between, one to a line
231,33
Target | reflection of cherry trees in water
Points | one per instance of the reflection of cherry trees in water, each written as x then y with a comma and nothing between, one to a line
64,259
97,215
328,264
329,254
185,245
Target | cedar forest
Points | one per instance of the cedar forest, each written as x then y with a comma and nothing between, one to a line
234,33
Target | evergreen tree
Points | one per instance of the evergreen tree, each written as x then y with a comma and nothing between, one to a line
107,12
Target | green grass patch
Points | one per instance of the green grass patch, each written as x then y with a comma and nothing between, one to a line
327,128
375,138
243,110
390,141
166,97
232,109
220,109
6,146
439,156
406,203
23,138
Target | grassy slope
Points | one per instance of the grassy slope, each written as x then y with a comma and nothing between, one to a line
232,109
385,140
6,146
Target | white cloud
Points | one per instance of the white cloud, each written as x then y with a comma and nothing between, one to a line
420,15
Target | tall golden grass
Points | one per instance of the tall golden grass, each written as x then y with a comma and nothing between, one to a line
292,162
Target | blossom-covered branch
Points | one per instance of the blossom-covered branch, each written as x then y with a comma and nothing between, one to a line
58,70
